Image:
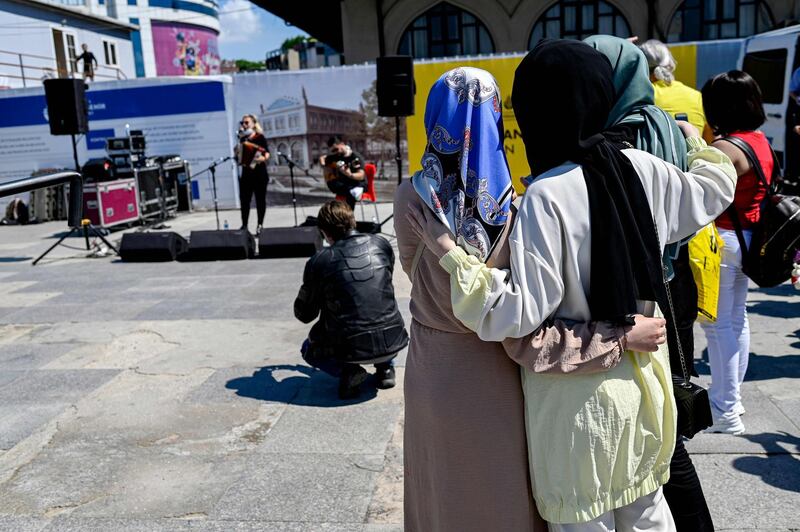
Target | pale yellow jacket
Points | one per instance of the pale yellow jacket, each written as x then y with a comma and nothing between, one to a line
596,442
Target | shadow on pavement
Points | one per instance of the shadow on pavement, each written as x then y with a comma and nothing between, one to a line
782,473
15,259
784,289
304,386
760,367
775,309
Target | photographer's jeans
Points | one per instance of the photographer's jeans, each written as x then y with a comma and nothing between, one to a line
729,337
331,366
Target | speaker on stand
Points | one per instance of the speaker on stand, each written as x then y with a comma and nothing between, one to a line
68,114
395,89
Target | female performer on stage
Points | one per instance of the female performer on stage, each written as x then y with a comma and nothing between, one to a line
252,154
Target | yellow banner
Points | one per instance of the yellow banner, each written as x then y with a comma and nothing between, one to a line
686,57
425,74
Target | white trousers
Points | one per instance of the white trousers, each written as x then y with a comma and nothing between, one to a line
729,337
649,513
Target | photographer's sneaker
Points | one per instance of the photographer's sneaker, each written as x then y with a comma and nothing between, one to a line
385,378
351,379
727,424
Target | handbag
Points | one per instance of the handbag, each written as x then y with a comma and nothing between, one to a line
691,400
769,259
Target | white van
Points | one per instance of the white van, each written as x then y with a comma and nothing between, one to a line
771,58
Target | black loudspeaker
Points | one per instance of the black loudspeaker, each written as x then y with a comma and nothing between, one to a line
280,242
67,109
395,85
152,247
221,245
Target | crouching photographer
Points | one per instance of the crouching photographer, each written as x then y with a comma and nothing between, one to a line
349,286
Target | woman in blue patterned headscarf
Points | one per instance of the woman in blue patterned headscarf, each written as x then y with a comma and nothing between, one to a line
465,178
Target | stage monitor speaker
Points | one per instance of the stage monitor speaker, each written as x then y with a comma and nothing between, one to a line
395,85
152,247
221,245
67,109
283,242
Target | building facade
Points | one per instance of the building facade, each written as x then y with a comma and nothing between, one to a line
308,54
40,40
299,130
165,37
430,28
175,38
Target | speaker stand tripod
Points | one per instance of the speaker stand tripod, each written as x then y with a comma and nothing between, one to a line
87,228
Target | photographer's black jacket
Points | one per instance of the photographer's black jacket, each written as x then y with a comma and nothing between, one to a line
349,285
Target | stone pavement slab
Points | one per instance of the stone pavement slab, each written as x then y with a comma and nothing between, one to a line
303,487
172,397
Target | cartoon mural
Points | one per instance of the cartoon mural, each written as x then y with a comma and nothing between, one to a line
185,50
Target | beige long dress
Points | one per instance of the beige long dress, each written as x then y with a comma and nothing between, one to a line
465,453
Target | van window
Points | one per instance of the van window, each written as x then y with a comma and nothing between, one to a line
768,68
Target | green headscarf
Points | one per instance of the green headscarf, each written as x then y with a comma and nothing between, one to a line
656,131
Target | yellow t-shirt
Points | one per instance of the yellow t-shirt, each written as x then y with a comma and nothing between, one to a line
677,98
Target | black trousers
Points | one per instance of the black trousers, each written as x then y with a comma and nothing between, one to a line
253,182
683,492
342,187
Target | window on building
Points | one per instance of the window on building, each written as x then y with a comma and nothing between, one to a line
110,52
72,53
297,153
283,149
294,121
267,125
131,2
703,20
578,19
280,123
445,30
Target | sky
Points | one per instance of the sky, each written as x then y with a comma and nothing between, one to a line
249,32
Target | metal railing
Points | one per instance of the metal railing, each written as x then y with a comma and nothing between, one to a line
32,69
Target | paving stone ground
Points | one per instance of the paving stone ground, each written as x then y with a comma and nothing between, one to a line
172,397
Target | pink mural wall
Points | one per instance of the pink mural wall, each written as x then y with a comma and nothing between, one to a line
185,50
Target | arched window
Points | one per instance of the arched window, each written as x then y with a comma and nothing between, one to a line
702,20
445,30
297,153
283,149
578,19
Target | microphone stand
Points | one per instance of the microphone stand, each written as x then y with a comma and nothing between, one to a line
292,164
213,169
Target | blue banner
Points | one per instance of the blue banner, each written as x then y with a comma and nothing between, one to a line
96,139
157,100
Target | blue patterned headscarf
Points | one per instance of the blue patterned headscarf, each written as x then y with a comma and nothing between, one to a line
465,178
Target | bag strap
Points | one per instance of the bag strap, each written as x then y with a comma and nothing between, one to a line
751,157
755,164
671,308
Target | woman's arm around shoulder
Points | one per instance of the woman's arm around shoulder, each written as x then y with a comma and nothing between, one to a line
499,304
683,202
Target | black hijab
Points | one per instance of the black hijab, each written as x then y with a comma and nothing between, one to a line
562,95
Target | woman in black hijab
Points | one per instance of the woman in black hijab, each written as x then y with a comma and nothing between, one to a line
587,245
